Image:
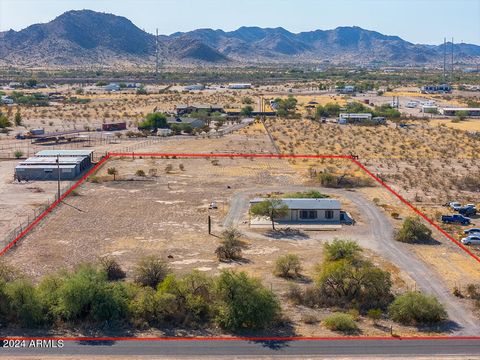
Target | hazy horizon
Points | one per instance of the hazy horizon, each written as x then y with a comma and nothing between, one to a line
301,15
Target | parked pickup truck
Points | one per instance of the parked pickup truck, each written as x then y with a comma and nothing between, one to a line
455,219
467,210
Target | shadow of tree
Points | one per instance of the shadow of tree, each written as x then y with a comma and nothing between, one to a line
290,234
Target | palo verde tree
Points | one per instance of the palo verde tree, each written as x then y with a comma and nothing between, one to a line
112,171
273,208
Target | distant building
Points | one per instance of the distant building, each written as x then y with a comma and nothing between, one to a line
427,108
309,210
239,86
114,126
194,87
195,123
348,89
454,111
352,118
436,89
112,87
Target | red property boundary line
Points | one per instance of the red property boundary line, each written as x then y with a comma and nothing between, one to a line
238,155
250,338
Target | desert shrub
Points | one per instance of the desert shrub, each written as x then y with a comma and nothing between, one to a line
85,294
295,294
335,181
413,231
152,172
340,322
473,291
181,167
8,273
354,284
395,215
288,266
24,306
309,319
310,194
169,168
231,245
193,297
18,154
140,172
151,271
414,308
374,314
112,171
341,249
244,303
113,270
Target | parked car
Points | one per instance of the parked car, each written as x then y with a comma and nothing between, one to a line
471,240
455,205
213,205
472,231
467,211
450,219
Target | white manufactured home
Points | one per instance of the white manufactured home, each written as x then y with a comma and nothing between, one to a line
309,210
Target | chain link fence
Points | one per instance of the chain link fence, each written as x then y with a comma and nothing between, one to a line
32,217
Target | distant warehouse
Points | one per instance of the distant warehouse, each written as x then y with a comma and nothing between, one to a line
47,164
467,111
239,86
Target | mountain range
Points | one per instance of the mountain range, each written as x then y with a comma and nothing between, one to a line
89,38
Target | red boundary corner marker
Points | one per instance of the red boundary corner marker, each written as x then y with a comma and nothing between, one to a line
240,155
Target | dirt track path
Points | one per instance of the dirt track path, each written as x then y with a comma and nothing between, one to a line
381,241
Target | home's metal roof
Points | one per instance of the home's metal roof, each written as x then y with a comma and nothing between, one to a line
307,204
47,166
64,153
460,109
50,160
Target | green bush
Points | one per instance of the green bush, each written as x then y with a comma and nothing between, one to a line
341,249
414,308
151,271
413,231
231,246
310,194
24,307
340,322
85,294
244,303
354,284
288,266
153,121
374,314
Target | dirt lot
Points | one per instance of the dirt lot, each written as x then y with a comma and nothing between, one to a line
18,201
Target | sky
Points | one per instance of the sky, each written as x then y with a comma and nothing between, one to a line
417,21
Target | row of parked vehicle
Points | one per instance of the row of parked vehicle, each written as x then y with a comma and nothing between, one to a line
464,211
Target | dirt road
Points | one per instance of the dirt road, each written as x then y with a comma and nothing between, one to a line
381,241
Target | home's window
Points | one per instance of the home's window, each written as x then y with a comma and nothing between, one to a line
328,214
308,214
